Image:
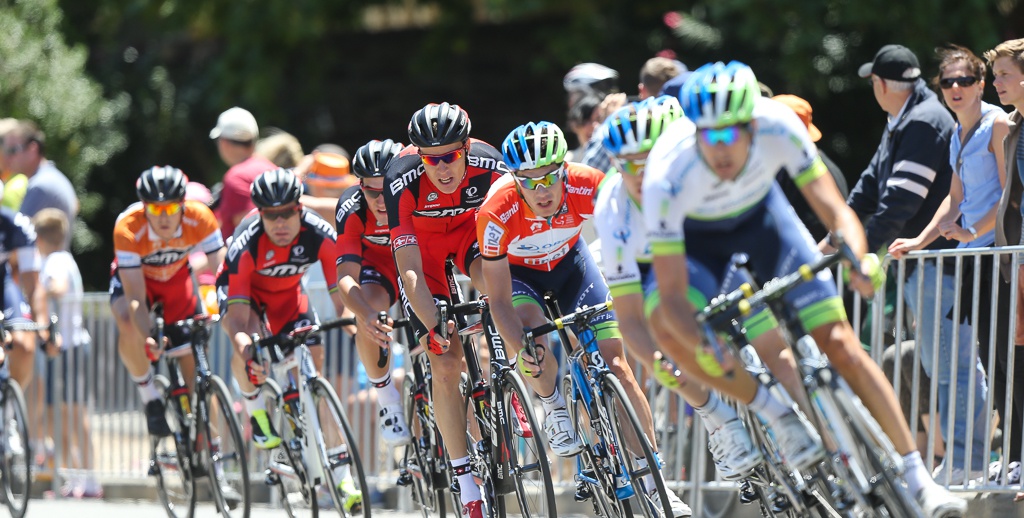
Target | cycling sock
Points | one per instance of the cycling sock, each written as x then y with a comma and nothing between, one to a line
555,400
343,470
469,491
253,401
915,473
641,463
768,407
387,392
147,389
715,412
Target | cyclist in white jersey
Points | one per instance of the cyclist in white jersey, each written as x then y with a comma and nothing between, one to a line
718,175
628,135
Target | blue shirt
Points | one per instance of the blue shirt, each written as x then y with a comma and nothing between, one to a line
976,167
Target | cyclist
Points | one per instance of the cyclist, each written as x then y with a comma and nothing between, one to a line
152,241
432,190
259,284
717,173
367,276
529,233
18,236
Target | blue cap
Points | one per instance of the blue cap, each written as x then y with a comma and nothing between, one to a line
672,86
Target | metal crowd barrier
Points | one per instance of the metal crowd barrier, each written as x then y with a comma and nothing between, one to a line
120,447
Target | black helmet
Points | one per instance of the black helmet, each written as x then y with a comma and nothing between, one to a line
372,158
161,183
275,188
439,125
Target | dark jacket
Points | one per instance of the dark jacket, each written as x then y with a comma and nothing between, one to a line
907,179
1008,219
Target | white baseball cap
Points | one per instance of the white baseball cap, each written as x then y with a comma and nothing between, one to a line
236,124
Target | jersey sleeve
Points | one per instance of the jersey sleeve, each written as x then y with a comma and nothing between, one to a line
350,231
125,247
240,269
801,160
401,183
664,207
329,261
583,188
618,258
491,233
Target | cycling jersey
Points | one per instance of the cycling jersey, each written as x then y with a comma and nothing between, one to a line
507,226
17,235
362,240
748,214
268,276
137,246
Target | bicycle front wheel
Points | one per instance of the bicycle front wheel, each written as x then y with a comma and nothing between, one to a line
17,471
339,454
623,420
423,453
172,460
225,453
595,478
528,461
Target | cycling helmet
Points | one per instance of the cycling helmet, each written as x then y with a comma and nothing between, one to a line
635,127
534,145
275,188
161,183
590,76
439,125
373,157
718,95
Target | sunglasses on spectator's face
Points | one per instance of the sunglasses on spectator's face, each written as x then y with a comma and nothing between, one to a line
727,135
541,181
449,157
274,215
372,193
170,209
964,81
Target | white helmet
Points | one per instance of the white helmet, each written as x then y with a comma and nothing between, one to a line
590,76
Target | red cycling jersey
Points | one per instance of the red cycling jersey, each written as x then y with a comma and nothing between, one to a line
506,226
268,276
362,240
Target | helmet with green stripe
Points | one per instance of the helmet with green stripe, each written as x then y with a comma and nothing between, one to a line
534,145
718,95
635,128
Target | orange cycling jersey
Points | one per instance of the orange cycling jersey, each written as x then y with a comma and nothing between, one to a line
507,227
136,245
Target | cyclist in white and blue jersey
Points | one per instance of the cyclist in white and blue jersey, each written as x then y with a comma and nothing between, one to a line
717,173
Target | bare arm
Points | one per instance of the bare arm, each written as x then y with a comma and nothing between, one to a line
135,293
498,279
629,309
674,284
410,267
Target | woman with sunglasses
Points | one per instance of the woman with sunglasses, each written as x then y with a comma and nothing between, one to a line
367,278
152,242
529,233
967,215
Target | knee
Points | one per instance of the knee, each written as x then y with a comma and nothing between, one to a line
446,369
843,349
24,343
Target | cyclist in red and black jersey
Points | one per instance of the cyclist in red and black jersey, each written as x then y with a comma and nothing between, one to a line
367,278
432,192
260,281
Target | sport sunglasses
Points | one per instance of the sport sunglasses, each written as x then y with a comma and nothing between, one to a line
274,215
630,167
170,209
449,157
541,181
372,193
727,135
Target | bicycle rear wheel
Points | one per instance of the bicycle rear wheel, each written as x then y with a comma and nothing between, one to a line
622,418
172,460
225,453
595,477
350,498
14,444
422,453
527,452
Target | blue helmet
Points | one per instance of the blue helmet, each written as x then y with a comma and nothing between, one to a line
534,145
635,127
718,95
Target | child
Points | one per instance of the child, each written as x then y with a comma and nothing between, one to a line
61,280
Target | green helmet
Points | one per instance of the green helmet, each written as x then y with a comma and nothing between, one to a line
534,145
635,128
718,95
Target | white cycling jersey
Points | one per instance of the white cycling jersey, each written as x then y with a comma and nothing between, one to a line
678,184
624,243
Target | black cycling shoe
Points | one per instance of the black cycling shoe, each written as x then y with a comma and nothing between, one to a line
156,419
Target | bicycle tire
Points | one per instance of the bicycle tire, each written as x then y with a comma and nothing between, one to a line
418,459
323,391
611,391
513,386
297,496
16,493
593,460
238,480
876,447
480,461
178,503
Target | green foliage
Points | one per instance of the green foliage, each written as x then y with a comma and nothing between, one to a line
45,79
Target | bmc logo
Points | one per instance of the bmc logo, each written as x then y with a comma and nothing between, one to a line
407,177
284,270
164,257
487,163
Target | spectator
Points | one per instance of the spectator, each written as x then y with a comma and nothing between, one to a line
655,73
14,183
976,156
281,148
24,147
803,209
583,121
61,280
236,134
1007,62
590,78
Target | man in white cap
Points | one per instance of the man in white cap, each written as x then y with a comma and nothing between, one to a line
236,135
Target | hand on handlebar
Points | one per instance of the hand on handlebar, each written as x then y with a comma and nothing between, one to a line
436,341
531,364
255,371
154,351
666,373
870,278
378,331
